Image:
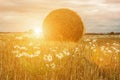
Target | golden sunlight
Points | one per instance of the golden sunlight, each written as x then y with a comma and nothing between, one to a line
38,31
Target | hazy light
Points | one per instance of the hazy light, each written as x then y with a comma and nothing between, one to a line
38,32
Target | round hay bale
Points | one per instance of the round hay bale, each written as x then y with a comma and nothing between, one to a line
63,25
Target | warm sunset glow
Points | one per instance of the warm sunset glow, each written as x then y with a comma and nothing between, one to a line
38,31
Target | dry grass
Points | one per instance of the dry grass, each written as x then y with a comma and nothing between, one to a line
95,57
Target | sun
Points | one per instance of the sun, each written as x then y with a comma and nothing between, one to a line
38,31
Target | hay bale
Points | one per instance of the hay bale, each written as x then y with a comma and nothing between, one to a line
63,25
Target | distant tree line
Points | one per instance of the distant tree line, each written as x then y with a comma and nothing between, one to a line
110,33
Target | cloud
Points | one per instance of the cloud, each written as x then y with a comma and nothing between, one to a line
98,24
113,1
18,15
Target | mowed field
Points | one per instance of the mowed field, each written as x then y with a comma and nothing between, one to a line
25,56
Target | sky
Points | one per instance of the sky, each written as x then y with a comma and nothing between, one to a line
97,15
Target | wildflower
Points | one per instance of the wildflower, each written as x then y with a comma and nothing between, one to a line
90,43
54,50
45,57
66,52
23,48
27,55
117,51
87,40
102,48
94,40
60,55
115,44
49,57
16,46
52,65
109,51
76,49
20,55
